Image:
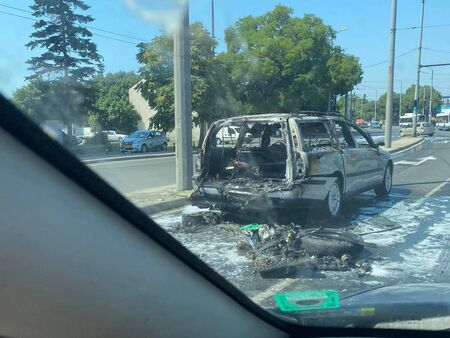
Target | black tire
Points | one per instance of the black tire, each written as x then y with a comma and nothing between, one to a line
144,148
385,187
402,133
330,246
332,204
164,146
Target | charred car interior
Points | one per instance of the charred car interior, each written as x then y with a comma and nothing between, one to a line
288,160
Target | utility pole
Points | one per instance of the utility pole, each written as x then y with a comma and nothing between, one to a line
400,103
212,25
390,80
376,98
423,104
431,96
183,103
419,56
346,106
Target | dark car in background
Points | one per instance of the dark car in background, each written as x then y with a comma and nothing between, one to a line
290,160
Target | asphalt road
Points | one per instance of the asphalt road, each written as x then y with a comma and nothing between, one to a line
134,175
414,246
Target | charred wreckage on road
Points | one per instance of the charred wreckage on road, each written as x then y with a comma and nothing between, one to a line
296,160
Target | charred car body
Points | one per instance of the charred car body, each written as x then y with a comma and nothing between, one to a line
289,160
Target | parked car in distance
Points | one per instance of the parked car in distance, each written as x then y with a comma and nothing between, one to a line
375,125
114,136
290,161
144,141
423,128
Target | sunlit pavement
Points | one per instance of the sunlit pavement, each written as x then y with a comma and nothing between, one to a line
414,250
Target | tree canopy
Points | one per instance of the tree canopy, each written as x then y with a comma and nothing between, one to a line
210,93
112,108
282,63
67,49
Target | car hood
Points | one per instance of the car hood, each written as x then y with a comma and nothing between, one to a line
132,139
380,307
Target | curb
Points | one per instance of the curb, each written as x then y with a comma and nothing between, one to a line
165,206
131,157
126,158
409,148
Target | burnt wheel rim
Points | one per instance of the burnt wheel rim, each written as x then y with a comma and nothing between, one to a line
388,180
334,199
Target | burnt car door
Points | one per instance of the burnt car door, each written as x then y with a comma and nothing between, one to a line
372,165
361,158
323,158
353,158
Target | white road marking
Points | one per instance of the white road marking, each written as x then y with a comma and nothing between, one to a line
273,290
285,283
416,163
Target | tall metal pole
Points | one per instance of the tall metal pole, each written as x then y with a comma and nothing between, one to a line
183,104
376,98
431,95
423,104
419,56
212,25
400,103
390,80
346,105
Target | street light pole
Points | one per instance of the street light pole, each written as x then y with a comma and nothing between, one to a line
419,56
376,98
390,81
431,96
183,103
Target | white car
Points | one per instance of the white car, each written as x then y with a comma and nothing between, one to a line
113,136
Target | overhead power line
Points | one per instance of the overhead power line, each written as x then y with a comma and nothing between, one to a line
87,26
429,26
385,61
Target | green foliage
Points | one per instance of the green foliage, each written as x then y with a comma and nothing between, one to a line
67,48
282,63
44,100
210,93
368,106
112,109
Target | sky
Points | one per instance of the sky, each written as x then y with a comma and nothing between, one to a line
120,24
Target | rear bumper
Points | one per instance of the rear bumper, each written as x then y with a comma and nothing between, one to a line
306,194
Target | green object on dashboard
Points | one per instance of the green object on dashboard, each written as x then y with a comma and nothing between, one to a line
253,226
296,301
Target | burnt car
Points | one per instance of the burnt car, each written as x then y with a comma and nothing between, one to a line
292,160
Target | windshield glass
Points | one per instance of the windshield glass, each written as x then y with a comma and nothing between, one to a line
139,134
265,136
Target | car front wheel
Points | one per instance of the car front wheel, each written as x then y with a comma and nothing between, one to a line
144,148
333,202
385,187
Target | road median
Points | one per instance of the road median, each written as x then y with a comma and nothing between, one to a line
164,198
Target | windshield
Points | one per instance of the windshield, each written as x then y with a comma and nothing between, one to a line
272,140
139,134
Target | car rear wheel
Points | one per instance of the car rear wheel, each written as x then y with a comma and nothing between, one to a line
164,146
402,133
385,187
144,148
333,202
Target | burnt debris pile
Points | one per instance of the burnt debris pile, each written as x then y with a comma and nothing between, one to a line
289,250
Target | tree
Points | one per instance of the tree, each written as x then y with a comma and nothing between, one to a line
68,55
282,63
43,100
112,108
210,94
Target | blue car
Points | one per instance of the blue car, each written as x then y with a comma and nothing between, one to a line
144,141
